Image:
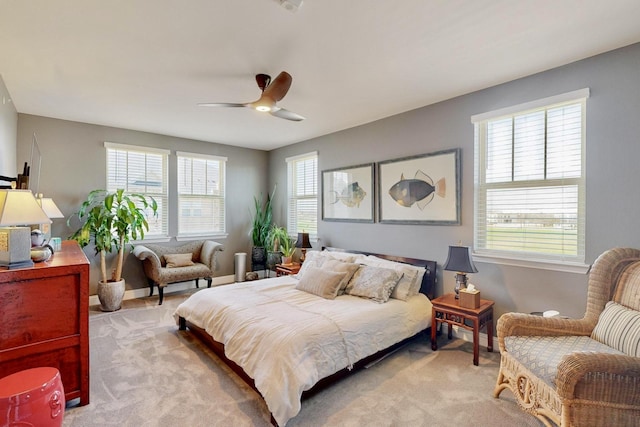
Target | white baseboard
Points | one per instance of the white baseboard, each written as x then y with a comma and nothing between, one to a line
467,335
174,287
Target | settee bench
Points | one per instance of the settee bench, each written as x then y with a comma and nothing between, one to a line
164,264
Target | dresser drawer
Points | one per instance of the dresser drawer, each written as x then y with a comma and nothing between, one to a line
36,310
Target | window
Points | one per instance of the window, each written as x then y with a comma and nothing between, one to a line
141,170
201,192
530,181
303,194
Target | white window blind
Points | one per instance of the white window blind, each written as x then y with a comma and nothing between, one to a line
141,170
201,194
303,194
530,181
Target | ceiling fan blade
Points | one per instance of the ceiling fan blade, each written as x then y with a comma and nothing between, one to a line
221,104
286,114
279,87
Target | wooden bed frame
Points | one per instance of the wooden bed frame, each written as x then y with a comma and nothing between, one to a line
427,287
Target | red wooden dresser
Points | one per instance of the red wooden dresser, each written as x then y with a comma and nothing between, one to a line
44,319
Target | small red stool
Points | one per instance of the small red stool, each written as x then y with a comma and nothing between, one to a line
33,397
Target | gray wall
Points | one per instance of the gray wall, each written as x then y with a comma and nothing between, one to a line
74,163
8,133
613,150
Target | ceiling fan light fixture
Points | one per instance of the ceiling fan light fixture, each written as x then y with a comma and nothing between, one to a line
265,104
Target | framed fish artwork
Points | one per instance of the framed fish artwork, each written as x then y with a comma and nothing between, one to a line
422,189
348,194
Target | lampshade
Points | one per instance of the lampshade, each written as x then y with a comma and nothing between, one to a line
459,260
303,241
19,207
50,208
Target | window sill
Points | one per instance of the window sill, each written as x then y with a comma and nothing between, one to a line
186,238
543,264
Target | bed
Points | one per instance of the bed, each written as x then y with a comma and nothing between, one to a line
290,336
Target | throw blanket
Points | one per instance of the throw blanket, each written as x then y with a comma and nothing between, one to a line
287,339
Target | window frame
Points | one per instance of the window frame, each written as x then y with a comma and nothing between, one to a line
163,199
223,179
575,264
292,218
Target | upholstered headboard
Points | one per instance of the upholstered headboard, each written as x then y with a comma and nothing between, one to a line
428,286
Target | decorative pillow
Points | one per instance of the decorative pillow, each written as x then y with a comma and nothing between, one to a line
178,260
312,259
375,283
407,284
321,282
341,267
619,327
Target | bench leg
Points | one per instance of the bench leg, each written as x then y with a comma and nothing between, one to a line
161,291
209,282
197,283
151,285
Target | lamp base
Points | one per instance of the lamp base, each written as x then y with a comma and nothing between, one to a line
461,283
17,264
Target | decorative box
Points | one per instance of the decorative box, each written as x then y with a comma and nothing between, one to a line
469,299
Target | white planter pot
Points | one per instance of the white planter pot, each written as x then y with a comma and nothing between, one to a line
110,295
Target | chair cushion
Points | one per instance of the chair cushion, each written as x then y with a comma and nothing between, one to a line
542,354
619,327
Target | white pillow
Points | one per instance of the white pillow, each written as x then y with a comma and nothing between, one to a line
342,256
323,283
374,283
407,284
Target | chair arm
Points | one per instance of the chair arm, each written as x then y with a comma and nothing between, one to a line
522,324
600,377
144,253
208,253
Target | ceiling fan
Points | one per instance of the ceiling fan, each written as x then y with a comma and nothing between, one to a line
272,92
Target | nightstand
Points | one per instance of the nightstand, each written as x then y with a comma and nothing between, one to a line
287,269
446,309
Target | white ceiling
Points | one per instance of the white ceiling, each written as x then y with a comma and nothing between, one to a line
145,64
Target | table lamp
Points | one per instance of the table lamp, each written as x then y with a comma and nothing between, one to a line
52,211
18,209
459,260
304,244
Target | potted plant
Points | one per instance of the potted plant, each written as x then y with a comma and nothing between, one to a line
288,248
111,220
274,256
261,225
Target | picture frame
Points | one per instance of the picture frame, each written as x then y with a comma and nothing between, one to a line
348,194
423,189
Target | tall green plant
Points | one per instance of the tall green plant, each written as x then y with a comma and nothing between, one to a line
111,221
262,219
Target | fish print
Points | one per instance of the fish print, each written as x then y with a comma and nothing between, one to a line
419,190
351,196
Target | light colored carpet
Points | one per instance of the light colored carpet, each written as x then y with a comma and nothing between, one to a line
144,372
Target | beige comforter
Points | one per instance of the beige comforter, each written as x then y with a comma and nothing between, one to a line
287,339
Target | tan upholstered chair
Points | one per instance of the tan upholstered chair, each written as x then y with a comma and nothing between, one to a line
580,372
171,264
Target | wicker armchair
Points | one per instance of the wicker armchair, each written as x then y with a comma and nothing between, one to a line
580,372
164,265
